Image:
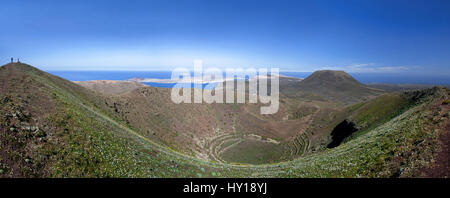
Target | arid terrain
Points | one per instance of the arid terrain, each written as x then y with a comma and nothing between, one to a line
328,125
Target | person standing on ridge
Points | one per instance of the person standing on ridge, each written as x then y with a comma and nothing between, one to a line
18,60
12,60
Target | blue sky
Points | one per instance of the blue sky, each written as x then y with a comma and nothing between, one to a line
356,36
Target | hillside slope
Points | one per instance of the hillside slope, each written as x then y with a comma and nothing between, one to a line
200,129
336,86
51,127
110,86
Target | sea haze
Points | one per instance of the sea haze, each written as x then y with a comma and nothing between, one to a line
366,78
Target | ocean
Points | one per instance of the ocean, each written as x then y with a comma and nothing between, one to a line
366,78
